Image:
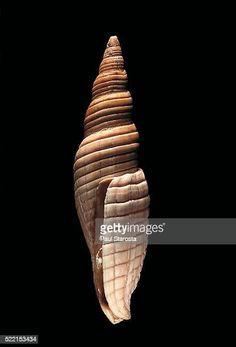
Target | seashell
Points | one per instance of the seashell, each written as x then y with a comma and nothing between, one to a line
109,184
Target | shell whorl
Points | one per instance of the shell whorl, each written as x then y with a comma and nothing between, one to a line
109,183
111,103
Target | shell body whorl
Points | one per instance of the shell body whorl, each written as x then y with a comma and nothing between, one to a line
109,182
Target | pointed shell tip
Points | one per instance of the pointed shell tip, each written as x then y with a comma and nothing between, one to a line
113,41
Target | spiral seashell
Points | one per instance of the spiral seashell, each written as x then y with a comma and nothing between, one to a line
109,184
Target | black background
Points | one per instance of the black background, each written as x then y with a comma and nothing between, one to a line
179,64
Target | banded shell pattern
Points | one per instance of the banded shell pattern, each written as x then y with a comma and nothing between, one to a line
109,184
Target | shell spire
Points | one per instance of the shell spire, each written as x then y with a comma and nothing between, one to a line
111,102
110,185
112,76
112,57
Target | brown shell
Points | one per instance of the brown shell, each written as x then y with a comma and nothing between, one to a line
109,184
